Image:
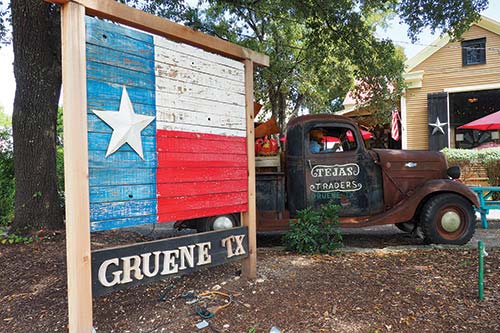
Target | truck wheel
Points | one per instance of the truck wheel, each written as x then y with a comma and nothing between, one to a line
447,219
405,226
220,222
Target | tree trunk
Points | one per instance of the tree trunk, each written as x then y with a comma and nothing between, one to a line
37,68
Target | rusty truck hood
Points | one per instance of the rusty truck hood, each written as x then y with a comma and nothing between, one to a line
404,171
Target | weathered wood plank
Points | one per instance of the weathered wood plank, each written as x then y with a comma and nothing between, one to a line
190,62
200,188
117,75
100,141
119,59
121,159
205,201
101,211
191,214
117,37
160,125
173,72
167,86
200,118
108,177
199,136
181,145
197,52
179,175
100,92
191,103
122,223
122,193
175,159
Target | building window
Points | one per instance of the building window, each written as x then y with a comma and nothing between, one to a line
474,51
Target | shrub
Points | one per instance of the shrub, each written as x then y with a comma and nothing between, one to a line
7,183
315,231
466,159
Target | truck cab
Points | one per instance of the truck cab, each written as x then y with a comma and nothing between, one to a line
327,160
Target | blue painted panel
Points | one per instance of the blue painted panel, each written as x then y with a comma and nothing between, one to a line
119,38
122,193
125,77
122,209
122,223
100,141
121,159
100,92
106,177
119,59
122,186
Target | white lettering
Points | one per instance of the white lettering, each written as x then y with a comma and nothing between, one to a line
203,256
102,273
146,264
169,265
240,250
187,254
130,264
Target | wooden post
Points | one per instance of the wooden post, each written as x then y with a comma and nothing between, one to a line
249,268
76,168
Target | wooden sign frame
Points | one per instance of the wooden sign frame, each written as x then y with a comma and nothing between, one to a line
76,146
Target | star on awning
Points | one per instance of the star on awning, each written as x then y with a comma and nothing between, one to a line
438,126
126,124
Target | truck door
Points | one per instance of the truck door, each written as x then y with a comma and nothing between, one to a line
339,168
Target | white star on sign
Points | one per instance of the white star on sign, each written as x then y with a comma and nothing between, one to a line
438,126
126,124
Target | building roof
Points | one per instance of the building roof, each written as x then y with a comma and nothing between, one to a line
485,23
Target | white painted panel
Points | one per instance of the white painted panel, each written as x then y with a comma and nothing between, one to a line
176,73
199,118
169,57
164,85
200,129
190,103
161,42
197,91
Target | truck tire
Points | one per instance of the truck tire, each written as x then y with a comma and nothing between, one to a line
219,222
406,226
447,219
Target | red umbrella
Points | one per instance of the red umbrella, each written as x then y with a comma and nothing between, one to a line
487,123
366,135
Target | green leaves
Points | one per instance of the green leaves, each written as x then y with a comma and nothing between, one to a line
451,16
315,231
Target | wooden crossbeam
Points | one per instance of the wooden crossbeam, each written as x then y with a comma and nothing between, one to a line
139,19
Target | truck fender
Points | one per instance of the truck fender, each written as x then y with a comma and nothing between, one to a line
435,186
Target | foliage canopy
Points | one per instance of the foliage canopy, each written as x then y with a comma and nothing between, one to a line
317,49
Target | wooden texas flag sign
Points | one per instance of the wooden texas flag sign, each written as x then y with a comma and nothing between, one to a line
166,129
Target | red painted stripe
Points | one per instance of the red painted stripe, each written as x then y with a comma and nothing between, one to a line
199,136
188,174
167,159
200,175
191,214
209,201
199,188
166,144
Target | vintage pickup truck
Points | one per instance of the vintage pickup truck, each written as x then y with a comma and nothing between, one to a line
327,160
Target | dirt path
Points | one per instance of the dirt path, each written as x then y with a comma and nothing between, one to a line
383,290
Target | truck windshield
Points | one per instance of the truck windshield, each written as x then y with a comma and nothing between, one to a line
331,140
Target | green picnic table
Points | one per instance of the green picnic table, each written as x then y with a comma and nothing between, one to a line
484,194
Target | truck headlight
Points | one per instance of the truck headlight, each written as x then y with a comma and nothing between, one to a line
454,172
